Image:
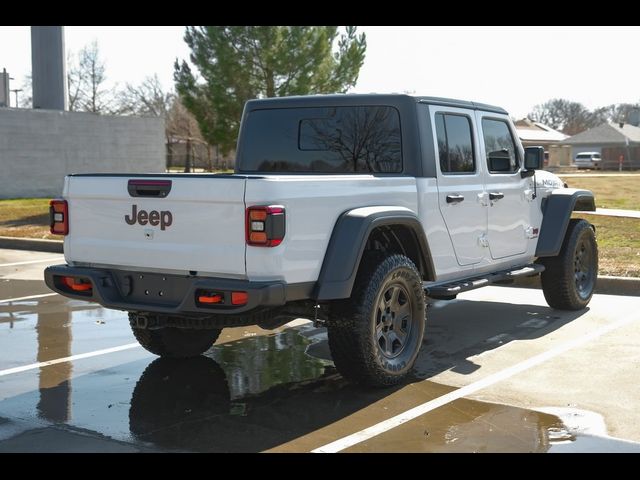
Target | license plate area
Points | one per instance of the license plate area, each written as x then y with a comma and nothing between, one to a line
152,288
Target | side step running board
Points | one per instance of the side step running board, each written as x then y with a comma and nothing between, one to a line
449,291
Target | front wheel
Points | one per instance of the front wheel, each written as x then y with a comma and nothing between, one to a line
569,279
376,335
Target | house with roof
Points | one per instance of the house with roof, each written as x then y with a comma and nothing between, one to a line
613,141
538,134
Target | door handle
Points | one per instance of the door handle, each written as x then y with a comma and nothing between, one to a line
455,198
495,195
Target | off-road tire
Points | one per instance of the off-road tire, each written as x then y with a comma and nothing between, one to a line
176,342
362,330
569,279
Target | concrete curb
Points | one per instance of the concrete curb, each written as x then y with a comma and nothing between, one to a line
606,285
629,286
619,286
37,245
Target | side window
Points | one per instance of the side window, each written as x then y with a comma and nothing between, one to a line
339,139
499,146
455,144
358,139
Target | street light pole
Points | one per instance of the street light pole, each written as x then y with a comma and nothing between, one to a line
16,92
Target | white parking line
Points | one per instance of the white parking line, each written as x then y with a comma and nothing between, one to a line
44,260
415,412
30,297
96,353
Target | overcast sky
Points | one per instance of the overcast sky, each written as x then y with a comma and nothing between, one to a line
514,67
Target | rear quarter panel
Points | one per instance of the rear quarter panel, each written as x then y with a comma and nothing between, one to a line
313,204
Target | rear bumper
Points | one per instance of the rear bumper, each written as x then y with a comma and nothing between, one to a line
168,294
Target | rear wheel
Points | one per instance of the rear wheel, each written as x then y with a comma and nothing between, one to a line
376,335
176,342
569,279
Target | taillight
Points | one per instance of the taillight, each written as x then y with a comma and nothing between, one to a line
59,217
265,226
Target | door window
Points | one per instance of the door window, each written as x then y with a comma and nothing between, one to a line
499,146
455,145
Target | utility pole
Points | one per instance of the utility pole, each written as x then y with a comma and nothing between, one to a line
16,90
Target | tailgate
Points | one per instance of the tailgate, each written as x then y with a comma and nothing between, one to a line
198,226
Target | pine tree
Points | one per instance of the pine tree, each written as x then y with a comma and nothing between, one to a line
236,64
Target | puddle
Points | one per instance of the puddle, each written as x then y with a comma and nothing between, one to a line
258,363
246,395
256,391
583,431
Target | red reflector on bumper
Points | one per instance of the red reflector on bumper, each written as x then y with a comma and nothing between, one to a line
210,299
77,284
239,298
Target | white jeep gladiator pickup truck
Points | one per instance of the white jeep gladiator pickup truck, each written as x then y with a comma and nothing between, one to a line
353,210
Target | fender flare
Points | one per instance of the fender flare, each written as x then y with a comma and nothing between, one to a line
556,210
348,241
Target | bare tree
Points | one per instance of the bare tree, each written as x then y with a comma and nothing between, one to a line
76,81
618,112
86,80
573,117
26,96
148,98
181,126
565,115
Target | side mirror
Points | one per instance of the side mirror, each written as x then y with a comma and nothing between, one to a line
499,161
533,160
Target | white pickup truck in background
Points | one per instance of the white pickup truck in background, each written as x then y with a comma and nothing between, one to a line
352,210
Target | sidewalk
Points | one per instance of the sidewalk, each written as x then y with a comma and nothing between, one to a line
34,244
613,212
610,173
605,285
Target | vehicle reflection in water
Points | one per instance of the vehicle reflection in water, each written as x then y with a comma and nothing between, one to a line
258,363
54,341
247,395
265,393
54,330
190,405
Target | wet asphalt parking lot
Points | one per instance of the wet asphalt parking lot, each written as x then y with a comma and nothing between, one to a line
499,371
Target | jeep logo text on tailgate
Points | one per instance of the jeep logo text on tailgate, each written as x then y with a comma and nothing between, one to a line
154,218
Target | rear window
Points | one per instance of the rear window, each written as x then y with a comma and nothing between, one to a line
361,139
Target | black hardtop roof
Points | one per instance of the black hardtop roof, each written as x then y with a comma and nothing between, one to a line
394,99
